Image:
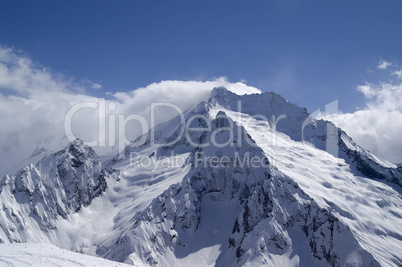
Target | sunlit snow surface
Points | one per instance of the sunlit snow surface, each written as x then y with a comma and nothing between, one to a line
45,255
370,208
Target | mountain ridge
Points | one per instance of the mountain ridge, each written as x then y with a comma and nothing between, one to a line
54,187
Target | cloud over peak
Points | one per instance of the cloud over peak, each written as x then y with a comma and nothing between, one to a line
34,102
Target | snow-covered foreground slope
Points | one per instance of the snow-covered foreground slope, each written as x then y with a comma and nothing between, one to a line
45,255
251,184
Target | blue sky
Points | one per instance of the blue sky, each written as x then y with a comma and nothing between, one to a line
55,54
311,52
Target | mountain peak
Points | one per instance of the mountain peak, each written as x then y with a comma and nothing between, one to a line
222,95
77,143
220,91
58,185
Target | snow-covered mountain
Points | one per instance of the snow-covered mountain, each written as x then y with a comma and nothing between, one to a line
251,180
58,185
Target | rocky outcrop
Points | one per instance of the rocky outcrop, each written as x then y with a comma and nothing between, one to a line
54,187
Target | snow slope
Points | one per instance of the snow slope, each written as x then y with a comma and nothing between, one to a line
45,255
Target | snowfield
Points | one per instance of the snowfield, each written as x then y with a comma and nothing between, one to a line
45,255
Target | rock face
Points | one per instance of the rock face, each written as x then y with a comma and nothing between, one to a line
53,188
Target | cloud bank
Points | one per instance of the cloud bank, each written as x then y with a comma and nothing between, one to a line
34,102
378,127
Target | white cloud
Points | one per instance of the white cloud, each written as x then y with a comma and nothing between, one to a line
184,94
96,86
383,65
378,127
34,102
398,73
88,83
19,74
